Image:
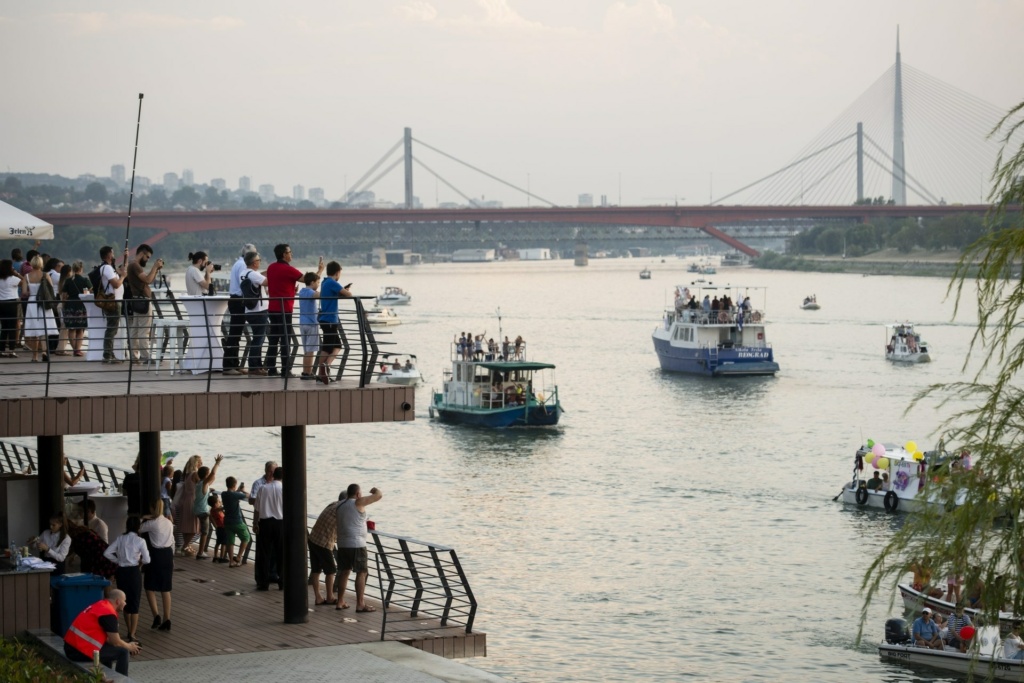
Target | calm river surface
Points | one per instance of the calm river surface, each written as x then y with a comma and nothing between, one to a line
670,528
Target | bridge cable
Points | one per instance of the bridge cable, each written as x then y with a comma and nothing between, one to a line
436,175
822,178
492,177
926,194
356,187
912,183
383,173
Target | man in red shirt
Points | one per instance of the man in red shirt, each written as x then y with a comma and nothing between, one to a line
282,279
95,630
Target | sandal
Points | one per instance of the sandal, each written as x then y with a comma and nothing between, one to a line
367,609
79,354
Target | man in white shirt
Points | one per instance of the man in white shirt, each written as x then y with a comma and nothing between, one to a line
268,518
236,311
1013,646
197,276
352,554
255,313
112,279
94,522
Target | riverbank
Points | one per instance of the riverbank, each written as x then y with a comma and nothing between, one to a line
919,263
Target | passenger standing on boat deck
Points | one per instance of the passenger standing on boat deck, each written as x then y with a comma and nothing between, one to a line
506,348
519,347
492,349
926,632
1013,646
706,305
478,346
956,622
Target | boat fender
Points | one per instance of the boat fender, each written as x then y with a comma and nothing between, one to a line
756,316
723,317
862,495
891,501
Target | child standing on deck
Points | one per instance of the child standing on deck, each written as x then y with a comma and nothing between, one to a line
309,330
220,548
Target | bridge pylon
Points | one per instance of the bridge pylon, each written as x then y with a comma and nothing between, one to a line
408,168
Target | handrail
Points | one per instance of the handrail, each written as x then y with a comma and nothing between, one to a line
198,343
415,578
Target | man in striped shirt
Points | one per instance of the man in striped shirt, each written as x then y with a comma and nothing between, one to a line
956,622
321,542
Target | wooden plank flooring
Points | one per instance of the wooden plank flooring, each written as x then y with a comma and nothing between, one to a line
217,610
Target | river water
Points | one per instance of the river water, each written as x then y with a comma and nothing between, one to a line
671,527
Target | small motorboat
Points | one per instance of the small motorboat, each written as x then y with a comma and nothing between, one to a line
382,315
900,477
645,274
394,371
810,303
904,345
394,296
914,599
984,658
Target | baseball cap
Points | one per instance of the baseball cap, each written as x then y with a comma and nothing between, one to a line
926,611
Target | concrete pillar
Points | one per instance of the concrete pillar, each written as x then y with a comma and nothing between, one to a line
581,258
149,469
293,573
860,162
408,168
50,451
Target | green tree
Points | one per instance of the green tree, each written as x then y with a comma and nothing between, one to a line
981,538
96,192
187,197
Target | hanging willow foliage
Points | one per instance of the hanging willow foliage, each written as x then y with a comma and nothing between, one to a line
981,538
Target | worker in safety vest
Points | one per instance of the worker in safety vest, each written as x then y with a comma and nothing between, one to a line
95,630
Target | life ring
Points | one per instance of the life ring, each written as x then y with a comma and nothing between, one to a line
891,501
755,316
862,496
723,317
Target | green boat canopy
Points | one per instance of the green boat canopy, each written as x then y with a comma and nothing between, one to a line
508,366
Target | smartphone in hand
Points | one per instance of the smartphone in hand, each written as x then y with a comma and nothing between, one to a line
347,286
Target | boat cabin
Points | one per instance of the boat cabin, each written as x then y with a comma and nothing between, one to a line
497,383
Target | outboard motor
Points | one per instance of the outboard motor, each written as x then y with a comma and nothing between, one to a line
897,632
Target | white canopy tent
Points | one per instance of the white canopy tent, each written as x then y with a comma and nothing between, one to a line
16,224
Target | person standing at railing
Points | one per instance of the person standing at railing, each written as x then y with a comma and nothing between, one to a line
255,313
140,322
330,291
75,316
10,290
254,491
268,518
309,330
160,571
321,541
112,283
198,274
282,283
236,311
352,556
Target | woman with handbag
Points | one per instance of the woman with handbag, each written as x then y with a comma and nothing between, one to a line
75,316
39,319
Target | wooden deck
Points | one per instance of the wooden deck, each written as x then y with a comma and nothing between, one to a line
72,396
217,610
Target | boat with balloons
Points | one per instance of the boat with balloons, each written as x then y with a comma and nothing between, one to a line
899,475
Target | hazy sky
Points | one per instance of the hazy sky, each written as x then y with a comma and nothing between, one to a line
572,94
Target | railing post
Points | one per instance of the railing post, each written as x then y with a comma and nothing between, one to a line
149,470
383,557
293,573
414,575
444,584
51,477
469,591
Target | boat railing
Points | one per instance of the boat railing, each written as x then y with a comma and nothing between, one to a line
701,317
415,579
484,353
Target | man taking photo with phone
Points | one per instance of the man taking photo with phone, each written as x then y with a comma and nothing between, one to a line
330,291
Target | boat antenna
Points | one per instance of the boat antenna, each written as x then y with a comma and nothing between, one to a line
500,335
131,191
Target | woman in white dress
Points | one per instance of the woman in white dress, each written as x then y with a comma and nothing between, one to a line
39,322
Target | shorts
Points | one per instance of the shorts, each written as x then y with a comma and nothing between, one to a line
240,529
321,559
331,340
221,535
204,524
310,335
352,559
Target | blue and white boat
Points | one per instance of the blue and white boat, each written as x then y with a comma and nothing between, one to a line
727,342
493,391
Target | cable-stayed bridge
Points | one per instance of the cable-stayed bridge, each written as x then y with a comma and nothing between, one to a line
909,146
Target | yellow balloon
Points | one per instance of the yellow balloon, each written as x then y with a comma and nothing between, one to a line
910,447
883,463
992,498
919,456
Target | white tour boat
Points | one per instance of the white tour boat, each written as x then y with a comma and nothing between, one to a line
904,345
382,315
394,296
902,477
984,658
394,371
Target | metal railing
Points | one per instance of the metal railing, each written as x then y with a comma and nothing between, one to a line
415,579
176,337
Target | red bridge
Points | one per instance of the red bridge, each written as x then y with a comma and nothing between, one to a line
704,218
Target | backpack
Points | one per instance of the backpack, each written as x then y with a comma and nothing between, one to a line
45,296
96,280
104,301
250,293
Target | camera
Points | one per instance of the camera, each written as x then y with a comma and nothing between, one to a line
216,266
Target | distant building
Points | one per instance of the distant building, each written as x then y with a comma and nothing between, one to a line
188,178
486,204
604,200
535,254
219,184
142,181
472,255
298,193
245,184
117,173
267,193
316,195
449,205
586,200
171,182
364,198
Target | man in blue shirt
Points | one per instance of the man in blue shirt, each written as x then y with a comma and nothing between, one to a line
926,632
330,291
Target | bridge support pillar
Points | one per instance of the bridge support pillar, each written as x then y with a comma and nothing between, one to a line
580,254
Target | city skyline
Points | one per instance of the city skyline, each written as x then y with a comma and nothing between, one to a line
641,101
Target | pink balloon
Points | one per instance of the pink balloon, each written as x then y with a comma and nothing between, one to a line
873,461
878,449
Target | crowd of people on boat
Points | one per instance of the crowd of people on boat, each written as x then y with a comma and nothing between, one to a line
190,515
903,336
714,309
481,348
41,309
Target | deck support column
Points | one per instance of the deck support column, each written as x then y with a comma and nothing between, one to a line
293,573
149,469
49,462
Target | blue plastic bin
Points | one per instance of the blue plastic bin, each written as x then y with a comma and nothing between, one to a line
72,593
